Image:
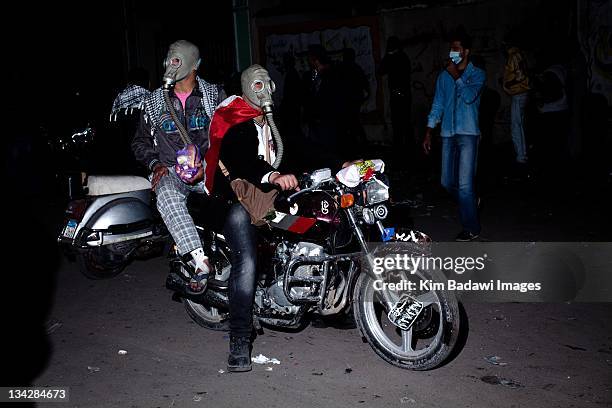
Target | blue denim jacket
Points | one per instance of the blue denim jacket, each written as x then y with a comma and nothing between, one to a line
456,102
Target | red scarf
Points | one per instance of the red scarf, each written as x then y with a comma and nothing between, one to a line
232,111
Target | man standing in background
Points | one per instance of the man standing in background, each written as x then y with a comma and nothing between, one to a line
516,84
455,104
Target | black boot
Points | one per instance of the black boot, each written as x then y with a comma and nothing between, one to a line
240,354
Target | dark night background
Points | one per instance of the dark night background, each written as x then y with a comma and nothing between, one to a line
66,63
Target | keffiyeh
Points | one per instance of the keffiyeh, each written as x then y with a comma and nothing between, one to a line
129,99
154,104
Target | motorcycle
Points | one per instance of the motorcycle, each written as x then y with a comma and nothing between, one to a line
314,259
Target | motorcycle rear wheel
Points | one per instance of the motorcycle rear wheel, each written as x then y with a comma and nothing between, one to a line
208,316
431,339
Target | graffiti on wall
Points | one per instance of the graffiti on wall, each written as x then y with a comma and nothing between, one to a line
334,41
425,33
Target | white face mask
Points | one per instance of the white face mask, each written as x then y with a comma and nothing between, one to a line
455,56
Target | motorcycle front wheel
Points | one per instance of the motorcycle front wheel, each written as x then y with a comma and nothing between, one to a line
430,340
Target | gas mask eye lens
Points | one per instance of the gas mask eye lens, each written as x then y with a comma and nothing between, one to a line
258,86
175,62
272,86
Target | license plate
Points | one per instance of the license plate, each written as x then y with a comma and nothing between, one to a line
405,312
70,229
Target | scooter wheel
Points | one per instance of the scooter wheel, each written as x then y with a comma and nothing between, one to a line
101,263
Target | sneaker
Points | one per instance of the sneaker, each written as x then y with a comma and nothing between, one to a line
239,359
466,236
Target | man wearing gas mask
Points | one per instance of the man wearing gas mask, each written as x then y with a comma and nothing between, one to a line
456,104
245,144
171,140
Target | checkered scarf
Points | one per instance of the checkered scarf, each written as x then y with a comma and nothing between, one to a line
130,98
154,104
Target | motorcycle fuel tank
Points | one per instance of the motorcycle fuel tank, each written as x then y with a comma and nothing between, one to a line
314,215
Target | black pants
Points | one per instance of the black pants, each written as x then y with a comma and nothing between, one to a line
241,238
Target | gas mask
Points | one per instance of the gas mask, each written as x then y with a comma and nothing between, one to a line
182,58
257,87
455,57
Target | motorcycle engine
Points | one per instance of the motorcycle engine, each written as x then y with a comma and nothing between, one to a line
274,296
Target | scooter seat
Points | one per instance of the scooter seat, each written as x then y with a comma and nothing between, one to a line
103,185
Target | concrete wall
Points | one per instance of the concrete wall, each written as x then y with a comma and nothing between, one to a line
425,31
548,29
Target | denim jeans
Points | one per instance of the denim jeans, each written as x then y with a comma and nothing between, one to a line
517,118
459,157
241,238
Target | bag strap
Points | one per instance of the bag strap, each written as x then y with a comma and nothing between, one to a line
266,141
224,169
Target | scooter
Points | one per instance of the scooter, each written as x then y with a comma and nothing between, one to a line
114,222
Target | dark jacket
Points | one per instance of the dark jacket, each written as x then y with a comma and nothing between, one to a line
239,154
161,146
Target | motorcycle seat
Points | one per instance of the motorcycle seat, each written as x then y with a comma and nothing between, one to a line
102,185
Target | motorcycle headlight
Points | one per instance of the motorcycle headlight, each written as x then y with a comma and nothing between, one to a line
376,192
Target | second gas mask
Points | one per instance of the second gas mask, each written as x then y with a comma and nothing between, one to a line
182,58
257,87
